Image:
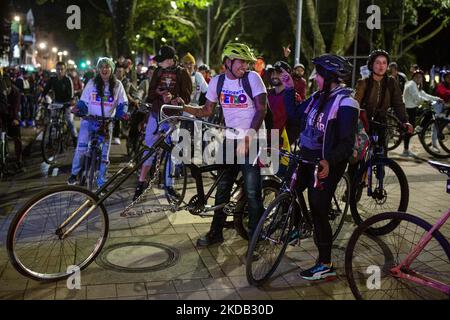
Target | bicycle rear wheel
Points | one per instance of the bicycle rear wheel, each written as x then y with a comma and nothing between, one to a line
390,192
368,259
51,143
270,189
33,244
444,135
269,240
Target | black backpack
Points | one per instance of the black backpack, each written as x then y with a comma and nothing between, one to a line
268,119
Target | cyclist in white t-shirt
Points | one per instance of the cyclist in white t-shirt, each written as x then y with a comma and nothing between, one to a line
242,113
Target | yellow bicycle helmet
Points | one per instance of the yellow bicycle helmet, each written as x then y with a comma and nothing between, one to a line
238,51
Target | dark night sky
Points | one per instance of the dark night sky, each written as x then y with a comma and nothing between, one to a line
52,17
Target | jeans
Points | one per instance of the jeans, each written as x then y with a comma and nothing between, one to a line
86,130
253,192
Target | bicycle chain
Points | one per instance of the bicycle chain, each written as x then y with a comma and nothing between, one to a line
126,212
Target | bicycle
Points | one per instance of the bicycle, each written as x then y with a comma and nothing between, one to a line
289,210
378,185
56,137
68,225
411,262
136,135
92,158
433,130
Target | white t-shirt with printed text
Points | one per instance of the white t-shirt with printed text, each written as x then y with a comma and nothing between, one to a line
238,108
110,103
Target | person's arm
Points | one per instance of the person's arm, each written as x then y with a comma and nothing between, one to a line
153,86
15,103
122,102
360,90
428,97
48,87
201,112
260,102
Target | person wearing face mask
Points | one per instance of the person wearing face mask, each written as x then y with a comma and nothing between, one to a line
328,122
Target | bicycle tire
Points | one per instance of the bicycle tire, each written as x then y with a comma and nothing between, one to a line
92,170
376,245
97,222
50,144
240,216
359,187
339,205
423,137
394,137
259,238
178,173
4,159
444,134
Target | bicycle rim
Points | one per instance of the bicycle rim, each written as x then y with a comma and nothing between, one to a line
433,135
393,196
33,246
339,205
174,176
50,144
269,240
369,260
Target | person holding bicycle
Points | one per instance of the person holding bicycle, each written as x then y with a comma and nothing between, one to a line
170,84
105,97
62,87
241,112
414,95
328,123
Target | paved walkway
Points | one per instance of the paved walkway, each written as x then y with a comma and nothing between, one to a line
166,240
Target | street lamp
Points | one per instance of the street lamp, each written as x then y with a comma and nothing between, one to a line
54,49
42,45
88,62
65,53
16,18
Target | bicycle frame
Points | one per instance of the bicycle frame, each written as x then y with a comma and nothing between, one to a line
401,271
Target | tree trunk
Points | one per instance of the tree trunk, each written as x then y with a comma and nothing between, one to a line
314,20
337,46
122,12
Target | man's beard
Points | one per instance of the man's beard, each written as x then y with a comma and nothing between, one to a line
275,82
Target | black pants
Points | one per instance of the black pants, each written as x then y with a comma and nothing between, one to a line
116,129
6,125
412,113
319,203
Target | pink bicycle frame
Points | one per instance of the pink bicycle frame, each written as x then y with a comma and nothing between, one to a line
417,277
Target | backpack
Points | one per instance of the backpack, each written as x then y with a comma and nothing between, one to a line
361,144
268,119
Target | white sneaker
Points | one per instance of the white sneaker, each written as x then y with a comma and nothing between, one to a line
116,141
418,129
435,149
407,153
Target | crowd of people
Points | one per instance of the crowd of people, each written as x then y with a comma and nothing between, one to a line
319,113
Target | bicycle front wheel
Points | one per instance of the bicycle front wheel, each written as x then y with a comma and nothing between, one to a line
50,144
33,243
369,260
388,191
269,240
339,205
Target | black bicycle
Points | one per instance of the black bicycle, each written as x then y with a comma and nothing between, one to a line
433,130
136,133
92,158
379,185
287,220
67,226
56,136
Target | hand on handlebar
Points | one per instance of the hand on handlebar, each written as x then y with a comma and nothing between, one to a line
408,126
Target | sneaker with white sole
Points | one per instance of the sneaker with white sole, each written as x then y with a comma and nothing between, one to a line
435,149
407,153
318,272
116,141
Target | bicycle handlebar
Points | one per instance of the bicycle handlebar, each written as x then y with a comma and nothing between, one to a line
166,118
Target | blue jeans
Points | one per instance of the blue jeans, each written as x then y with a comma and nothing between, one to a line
253,192
87,128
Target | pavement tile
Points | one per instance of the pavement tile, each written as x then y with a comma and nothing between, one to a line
252,293
218,283
224,294
75,294
131,289
163,296
160,287
102,291
188,285
194,295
